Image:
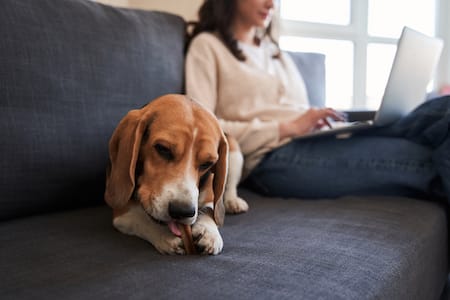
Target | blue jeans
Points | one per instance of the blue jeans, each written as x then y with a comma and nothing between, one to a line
408,158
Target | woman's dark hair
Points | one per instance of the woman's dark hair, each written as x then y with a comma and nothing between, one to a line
217,16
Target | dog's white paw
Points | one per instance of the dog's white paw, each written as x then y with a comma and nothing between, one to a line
206,236
235,205
137,222
170,244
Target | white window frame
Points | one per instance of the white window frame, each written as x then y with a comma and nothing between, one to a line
357,32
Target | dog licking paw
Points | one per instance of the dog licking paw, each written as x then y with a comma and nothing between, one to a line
170,244
164,169
206,236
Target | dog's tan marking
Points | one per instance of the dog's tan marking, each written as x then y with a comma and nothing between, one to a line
174,142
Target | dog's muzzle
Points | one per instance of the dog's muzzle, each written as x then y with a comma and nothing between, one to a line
178,211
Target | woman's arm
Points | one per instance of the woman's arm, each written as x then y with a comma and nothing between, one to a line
203,63
312,119
254,135
202,69
201,73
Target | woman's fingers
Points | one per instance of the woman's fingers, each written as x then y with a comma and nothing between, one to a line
328,114
313,119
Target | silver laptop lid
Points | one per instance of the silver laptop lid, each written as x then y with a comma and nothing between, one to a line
414,64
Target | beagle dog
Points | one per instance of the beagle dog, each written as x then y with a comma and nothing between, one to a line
168,166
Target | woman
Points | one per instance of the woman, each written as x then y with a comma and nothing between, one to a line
236,70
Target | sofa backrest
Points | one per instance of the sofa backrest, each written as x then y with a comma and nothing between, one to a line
69,71
312,67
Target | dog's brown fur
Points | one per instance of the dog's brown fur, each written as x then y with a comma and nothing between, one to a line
162,157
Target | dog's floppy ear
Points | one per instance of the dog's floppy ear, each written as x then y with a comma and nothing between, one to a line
220,176
123,154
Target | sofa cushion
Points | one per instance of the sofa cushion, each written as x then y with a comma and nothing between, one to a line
312,68
69,71
348,248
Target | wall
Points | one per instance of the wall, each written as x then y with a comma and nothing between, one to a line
185,8
188,10
446,35
122,3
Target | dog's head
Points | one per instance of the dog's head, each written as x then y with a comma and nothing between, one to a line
171,156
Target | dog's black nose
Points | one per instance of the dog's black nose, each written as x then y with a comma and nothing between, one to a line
180,210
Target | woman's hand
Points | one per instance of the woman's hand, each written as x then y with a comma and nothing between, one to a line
313,119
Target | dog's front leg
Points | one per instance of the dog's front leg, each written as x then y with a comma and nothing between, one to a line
136,222
206,235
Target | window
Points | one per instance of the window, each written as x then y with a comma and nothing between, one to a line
339,64
358,38
387,17
379,62
338,11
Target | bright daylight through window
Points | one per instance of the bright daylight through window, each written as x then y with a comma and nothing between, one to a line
358,38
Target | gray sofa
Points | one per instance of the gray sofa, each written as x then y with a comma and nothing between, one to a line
69,71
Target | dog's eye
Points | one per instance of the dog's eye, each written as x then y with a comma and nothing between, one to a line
164,152
205,166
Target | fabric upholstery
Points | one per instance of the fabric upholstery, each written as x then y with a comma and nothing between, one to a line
69,71
312,68
349,248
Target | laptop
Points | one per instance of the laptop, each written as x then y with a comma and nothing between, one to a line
414,64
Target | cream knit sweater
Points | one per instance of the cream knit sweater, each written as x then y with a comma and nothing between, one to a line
249,98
